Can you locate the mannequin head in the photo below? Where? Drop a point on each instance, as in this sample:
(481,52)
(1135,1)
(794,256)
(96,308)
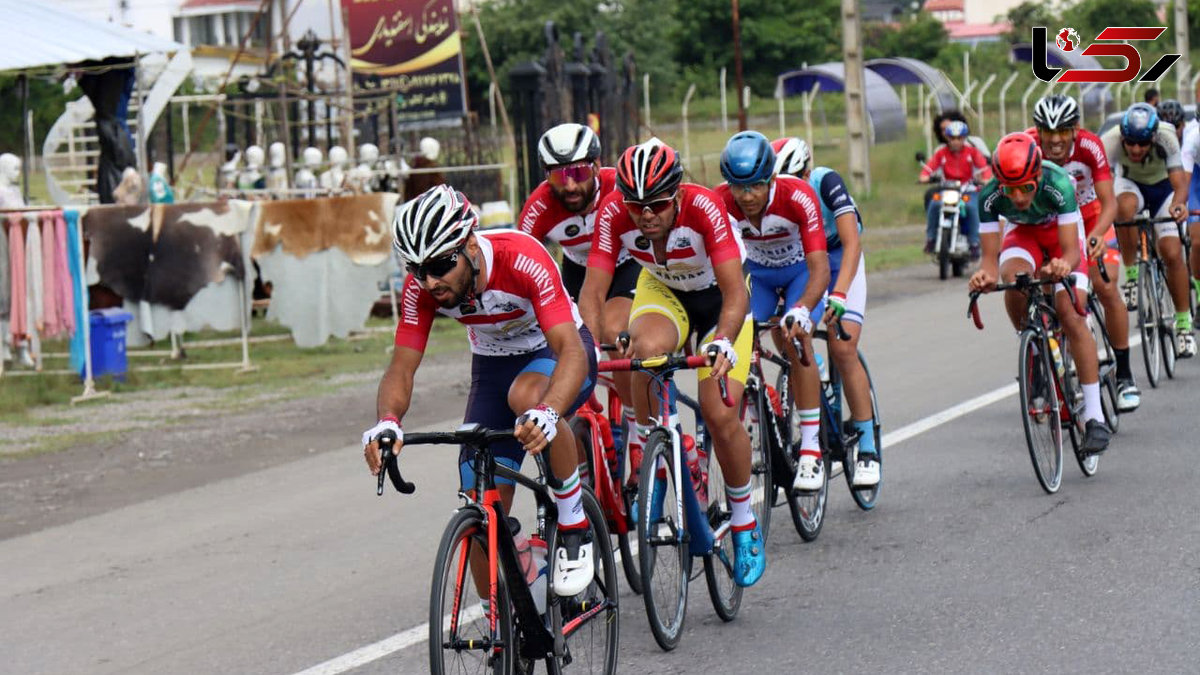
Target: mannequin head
(312,157)
(10,169)
(254,157)
(276,153)
(368,153)
(430,148)
(160,169)
(338,157)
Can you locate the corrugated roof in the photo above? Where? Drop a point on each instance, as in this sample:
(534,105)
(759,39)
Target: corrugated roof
(943,5)
(36,34)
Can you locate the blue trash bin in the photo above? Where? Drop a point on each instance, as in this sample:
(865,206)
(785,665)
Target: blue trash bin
(108,342)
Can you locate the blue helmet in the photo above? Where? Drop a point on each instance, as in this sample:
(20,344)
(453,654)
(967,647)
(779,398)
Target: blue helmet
(956,129)
(747,158)
(1139,123)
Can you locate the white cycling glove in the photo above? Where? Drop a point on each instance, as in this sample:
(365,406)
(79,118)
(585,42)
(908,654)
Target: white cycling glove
(546,419)
(382,426)
(726,347)
(799,315)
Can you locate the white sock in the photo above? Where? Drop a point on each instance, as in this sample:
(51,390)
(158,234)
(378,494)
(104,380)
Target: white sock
(1092,410)
(740,511)
(810,429)
(569,501)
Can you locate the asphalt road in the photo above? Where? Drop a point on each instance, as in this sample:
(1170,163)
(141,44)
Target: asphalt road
(965,565)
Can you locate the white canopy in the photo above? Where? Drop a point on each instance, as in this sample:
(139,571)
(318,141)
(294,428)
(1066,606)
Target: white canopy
(35,34)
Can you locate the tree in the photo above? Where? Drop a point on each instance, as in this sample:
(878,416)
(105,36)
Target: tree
(921,38)
(1025,16)
(515,33)
(777,36)
(1089,17)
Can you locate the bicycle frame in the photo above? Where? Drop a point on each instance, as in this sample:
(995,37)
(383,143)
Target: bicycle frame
(533,635)
(608,472)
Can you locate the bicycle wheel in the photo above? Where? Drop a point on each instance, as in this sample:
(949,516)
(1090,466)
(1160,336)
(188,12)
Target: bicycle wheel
(757,424)
(1166,321)
(1107,359)
(613,491)
(1148,323)
(807,508)
(726,596)
(590,621)
(1040,409)
(461,644)
(866,497)
(662,547)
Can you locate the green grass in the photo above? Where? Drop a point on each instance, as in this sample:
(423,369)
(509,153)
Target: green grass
(284,370)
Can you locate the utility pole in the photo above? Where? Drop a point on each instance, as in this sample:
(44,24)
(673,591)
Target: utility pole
(737,67)
(1183,68)
(857,130)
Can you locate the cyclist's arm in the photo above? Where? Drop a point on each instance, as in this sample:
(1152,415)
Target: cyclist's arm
(1068,240)
(818,278)
(933,165)
(735,299)
(396,386)
(1179,183)
(570,369)
(1108,207)
(847,227)
(596,283)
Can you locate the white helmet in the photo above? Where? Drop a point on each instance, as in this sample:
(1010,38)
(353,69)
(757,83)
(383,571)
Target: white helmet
(434,224)
(792,156)
(567,144)
(1056,112)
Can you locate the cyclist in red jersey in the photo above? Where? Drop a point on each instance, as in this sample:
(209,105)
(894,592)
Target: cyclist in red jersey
(691,284)
(531,354)
(563,210)
(1081,153)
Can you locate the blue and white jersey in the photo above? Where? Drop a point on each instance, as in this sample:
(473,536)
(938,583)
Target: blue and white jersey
(835,201)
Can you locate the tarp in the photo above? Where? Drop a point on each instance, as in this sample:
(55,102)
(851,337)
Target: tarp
(42,33)
(884,108)
(902,70)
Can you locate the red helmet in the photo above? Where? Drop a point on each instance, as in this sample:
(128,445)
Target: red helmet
(648,170)
(1017,160)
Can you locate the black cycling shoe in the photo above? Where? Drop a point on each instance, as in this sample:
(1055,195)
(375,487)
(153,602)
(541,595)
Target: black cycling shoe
(1095,438)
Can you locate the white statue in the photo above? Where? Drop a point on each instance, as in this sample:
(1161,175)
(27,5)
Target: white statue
(335,178)
(252,178)
(361,179)
(227,176)
(10,178)
(306,177)
(277,179)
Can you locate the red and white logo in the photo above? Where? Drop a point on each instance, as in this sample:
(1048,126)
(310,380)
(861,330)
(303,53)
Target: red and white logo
(1067,40)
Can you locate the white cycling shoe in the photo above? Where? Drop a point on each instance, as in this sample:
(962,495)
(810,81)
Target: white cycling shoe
(810,474)
(574,566)
(1185,345)
(866,472)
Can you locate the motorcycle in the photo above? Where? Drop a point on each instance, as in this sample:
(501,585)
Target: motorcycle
(951,251)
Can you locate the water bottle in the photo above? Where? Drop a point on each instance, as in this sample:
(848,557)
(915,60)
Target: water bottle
(537,585)
(822,368)
(1058,359)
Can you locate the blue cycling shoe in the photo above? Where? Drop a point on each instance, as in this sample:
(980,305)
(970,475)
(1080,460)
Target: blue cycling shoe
(749,556)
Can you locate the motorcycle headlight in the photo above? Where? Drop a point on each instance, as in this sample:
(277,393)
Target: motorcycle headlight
(950,197)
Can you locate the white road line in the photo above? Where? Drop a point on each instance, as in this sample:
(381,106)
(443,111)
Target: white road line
(419,634)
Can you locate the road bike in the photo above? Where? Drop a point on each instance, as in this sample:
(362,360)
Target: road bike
(1155,310)
(507,633)
(1050,393)
(674,523)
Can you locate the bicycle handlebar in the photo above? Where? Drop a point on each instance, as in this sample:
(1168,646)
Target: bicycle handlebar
(1099,263)
(667,363)
(1020,283)
(1138,222)
(468,434)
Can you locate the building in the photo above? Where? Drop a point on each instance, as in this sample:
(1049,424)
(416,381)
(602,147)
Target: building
(972,21)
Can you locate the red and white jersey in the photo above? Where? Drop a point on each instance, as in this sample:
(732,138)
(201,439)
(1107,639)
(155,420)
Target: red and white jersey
(523,297)
(704,235)
(546,219)
(791,225)
(1088,163)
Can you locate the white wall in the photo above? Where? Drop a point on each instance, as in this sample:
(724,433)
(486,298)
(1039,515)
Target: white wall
(152,16)
(988,11)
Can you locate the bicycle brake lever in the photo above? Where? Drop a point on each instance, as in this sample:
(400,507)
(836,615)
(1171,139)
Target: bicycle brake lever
(788,323)
(391,466)
(1100,263)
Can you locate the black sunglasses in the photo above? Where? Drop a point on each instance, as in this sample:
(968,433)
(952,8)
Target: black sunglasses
(1140,144)
(438,267)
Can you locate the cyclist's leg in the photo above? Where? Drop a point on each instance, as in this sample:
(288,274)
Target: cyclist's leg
(616,320)
(1116,320)
(1129,203)
(1170,248)
(658,324)
(573,563)
(845,355)
(1020,253)
(1194,230)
